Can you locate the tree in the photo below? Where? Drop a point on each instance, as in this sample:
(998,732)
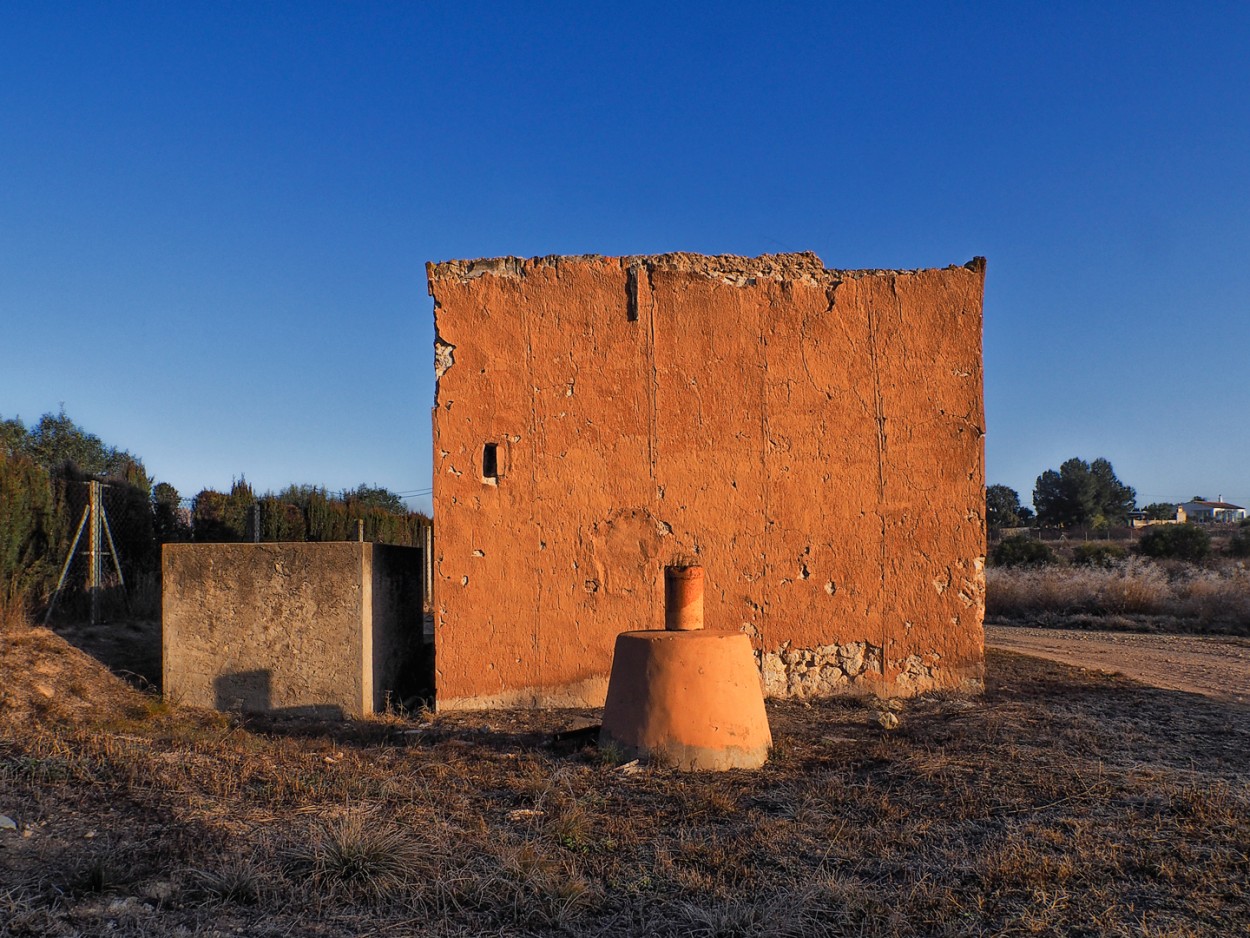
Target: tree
(1160,511)
(1114,499)
(56,442)
(27,505)
(220,518)
(1003,508)
(13,437)
(166,521)
(1081,494)
(370,496)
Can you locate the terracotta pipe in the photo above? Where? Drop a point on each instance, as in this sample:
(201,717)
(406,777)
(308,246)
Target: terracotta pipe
(683,598)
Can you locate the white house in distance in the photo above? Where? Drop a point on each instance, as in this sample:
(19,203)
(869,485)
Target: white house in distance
(1202,510)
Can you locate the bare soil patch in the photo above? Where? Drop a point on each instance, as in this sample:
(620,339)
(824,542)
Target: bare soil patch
(1060,802)
(1217,667)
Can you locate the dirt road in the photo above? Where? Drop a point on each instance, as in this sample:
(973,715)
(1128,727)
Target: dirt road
(1215,666)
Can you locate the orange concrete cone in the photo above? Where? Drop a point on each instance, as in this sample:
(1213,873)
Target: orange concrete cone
(685,697)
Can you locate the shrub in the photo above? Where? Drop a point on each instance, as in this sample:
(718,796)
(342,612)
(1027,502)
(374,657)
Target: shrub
(1021,552)
(26,522)
(1181,541)
(1239,543)
(1098,555)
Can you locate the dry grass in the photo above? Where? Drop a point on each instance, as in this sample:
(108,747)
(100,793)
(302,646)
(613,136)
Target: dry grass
(1213,596)
(1059,803)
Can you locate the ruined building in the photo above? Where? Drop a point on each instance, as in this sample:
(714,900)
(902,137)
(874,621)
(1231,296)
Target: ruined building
(813,438)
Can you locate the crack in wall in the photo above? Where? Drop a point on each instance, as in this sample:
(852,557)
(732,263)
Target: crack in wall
(879,416)
(657,492)
(537,450)
(831,301)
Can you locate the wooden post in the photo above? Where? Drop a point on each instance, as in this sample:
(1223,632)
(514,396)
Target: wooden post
(94,572)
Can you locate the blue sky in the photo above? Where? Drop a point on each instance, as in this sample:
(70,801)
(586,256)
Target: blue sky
(214,217)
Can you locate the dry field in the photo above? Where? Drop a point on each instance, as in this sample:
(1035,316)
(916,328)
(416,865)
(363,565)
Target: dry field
(1134,594)
(1060,802)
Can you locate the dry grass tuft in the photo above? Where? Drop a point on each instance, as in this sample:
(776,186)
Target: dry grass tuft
(361,854)
(241,881)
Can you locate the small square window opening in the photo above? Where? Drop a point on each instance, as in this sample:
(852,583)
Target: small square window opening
(490,463)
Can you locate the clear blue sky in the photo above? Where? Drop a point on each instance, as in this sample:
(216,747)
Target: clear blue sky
(214,216)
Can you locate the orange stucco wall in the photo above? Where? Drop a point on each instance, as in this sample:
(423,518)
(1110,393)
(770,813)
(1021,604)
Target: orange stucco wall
(813,438)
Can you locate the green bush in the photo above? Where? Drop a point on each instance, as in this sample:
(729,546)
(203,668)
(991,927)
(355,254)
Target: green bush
(1239,543)
(1177,541)
(1021,552)
(1097,555)
(27,522)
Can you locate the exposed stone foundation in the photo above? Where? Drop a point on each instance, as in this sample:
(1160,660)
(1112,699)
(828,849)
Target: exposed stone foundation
(821,671)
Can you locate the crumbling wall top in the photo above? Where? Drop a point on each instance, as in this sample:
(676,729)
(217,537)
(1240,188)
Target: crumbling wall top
(804,266)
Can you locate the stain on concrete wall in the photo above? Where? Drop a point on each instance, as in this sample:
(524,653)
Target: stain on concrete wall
(322,629)
(812,437)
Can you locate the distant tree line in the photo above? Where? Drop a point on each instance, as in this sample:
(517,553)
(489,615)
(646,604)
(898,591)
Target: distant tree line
(1089,495)
(302,513)
(1078,494)
(44,474)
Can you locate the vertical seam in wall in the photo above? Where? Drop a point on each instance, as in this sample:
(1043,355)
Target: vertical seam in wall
(879,417)
(765,581)
(534,522)
(652,431)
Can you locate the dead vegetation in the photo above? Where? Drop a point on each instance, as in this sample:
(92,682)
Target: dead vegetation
(1133,593)
(1062,802)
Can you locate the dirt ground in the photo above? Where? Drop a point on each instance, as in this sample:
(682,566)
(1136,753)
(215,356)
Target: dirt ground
(1216,667)
(1061,801)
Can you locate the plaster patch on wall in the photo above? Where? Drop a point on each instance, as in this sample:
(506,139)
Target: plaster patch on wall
(444,357)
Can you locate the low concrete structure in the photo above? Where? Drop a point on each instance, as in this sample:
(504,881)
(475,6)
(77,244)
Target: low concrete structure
(329,629)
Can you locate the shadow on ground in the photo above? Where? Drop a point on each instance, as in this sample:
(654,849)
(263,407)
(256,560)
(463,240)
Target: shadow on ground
(130,648)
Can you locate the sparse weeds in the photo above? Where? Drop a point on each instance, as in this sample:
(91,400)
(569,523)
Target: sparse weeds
(609,753)
(95,875)
(751,917)
(241,881)
(14,607)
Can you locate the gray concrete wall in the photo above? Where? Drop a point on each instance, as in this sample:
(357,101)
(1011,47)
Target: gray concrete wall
(296,627)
